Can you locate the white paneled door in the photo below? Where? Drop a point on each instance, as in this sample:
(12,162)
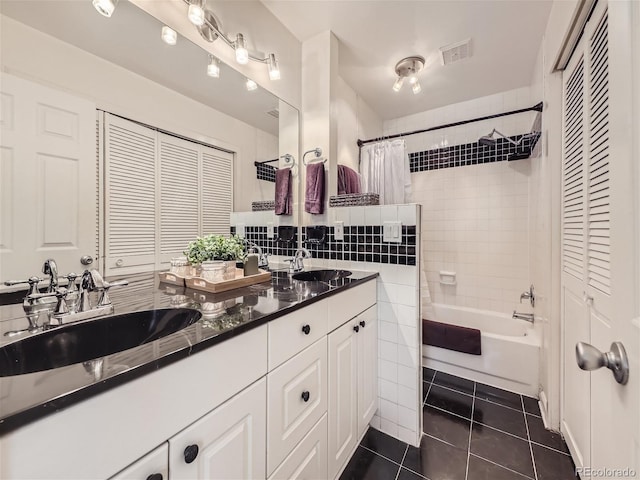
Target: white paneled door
(600,416)
(47,179)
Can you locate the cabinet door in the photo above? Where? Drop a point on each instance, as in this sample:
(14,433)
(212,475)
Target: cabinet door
(226,444)
(367,367)
(153,466)
(343,416)
(297,399)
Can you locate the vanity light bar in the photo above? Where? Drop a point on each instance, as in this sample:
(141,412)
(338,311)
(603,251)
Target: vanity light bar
(239,45)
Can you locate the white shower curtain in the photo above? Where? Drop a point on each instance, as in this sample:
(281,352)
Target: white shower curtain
(384,169)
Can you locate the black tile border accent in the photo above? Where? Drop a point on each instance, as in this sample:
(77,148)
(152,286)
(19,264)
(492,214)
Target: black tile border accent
(267,172)
(258,235)
(365,244)
(472,153)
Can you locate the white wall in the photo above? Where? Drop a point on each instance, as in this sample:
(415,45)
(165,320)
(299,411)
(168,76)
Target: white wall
(35,56)
(474,218)
(356,120)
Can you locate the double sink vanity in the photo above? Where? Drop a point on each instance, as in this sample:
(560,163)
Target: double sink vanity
(275,380)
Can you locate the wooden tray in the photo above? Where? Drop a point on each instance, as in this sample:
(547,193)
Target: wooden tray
(238,282)
(172,278)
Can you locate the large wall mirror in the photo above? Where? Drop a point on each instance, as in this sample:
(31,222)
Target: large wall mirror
(120,147)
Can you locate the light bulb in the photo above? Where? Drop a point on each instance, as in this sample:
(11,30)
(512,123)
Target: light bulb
(213,69)
(196,12)
(398,85)
(242,55)
(251,85)
(169,35)
(274,70)
(416,87)
(413,79)
(105,7)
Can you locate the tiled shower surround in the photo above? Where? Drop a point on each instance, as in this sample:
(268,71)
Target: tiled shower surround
(364,244)
(258,235)
(472,153)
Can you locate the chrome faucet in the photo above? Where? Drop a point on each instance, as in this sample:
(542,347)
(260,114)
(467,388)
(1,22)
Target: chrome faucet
(50,268)
(528,317)
(87,286)
(297,262)
(529,296)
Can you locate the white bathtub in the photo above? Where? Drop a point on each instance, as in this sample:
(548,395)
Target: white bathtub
(510,350)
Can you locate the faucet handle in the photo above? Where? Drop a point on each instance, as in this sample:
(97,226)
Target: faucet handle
(104,300)
(71,281)
(61,294)
(32,281)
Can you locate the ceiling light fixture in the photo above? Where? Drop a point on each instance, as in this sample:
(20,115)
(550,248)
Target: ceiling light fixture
(105,7)
(251,85)
(196,12)
(169,35)
(213,69)
(409,68)
(207,25)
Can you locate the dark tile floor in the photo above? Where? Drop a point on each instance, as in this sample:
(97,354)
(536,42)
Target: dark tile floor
(471,432)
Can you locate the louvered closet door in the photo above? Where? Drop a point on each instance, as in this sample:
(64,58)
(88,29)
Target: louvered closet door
(576,398)
(600,288)
(217,191)
(130,197)
(179,196)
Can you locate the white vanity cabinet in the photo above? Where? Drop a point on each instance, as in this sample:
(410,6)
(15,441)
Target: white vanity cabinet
(353,385)
(286,400)
(153,466)
(227,443)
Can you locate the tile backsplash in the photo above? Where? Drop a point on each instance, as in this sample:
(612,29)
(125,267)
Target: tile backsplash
(364,244)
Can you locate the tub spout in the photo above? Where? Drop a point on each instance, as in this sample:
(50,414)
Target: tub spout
(523,316)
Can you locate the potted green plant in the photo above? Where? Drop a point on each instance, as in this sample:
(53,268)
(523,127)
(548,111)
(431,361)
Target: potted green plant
(217,248)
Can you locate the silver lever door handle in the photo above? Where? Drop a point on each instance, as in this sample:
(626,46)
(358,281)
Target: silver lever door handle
(616,360)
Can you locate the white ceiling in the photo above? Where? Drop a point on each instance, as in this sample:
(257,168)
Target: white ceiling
(374,35)
(131,39)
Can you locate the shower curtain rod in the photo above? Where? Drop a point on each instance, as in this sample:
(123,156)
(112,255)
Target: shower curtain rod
(536,108)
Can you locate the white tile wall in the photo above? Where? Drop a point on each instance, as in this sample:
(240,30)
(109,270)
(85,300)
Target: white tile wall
(475,223)
(399,326)
(475,219)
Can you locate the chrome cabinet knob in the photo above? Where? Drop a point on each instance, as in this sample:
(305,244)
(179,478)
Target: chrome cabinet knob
(590,358)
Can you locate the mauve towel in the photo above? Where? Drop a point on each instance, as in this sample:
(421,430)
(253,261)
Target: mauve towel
(283,192)
(451,337)
(348,180)
(314,192)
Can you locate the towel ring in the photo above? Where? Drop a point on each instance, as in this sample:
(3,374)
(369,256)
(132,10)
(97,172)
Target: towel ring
(318,153)
(289,160)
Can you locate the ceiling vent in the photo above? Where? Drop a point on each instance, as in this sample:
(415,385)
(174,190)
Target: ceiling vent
(455,52)
(274,113)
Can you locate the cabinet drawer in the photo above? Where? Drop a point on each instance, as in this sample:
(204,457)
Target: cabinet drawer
(308,461)
(153,463)
(288,335)
(296,400)
(346,305)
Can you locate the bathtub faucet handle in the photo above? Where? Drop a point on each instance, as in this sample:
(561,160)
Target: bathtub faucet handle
(529,296)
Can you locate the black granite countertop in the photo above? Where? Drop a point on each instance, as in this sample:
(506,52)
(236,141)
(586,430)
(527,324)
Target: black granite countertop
(28,397)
